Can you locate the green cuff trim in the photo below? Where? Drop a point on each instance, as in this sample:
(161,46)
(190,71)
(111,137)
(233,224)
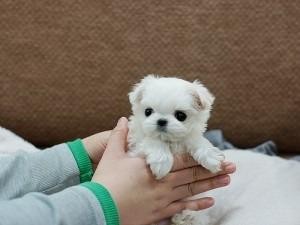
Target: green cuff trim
(107,203)
(82,159)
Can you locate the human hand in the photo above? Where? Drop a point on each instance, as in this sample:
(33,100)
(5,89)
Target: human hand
(141,199)
(95,146)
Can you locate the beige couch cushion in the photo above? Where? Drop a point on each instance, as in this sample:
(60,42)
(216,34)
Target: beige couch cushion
(66,67)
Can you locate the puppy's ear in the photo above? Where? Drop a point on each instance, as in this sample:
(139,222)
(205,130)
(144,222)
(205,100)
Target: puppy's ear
(136,95)
(203,99)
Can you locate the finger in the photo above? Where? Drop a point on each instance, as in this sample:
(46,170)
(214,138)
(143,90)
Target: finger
(103,138)
(177,207)
(196,173)
(192,189)
(228,167)
(183,161)
(96,144)
(118,138)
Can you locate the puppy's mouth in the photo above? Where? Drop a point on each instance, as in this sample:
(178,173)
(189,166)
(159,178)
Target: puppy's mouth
(161,129)
(165,133)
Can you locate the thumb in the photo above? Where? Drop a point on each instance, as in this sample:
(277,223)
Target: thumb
(117,142)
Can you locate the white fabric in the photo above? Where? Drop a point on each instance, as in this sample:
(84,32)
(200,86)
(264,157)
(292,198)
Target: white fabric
(265,190)
(11,143)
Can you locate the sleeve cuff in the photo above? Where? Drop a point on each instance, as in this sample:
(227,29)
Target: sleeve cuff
(106,201)
(82,159)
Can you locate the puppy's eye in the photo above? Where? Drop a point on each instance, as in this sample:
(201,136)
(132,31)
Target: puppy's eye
(181,116)
(148,112)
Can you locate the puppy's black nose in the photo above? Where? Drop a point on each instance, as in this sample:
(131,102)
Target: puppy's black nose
(162,123)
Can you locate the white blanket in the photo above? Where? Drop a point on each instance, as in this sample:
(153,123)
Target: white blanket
(11,143)
(265,190)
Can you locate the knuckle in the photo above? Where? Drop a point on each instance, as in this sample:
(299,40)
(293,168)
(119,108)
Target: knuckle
(160,194)
(179,207)
(196,173)
(159,199)
(190,189)
(212,183)
(117,131)
(169,178)
(177,162)
(182,161)
(201,204)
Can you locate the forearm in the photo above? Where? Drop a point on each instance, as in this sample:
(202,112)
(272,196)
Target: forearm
(47,171)
(50,171)
(74,205)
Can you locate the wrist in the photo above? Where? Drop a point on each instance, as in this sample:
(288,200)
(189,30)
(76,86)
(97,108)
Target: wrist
(106,202)
(82,159)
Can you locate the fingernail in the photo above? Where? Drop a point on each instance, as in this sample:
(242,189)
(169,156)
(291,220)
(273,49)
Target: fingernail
(226,163)
(223,180)
(230,168)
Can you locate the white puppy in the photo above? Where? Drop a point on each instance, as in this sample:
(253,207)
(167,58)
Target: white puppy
(169,117)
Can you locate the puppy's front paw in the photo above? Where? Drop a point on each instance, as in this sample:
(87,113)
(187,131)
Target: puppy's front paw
(160,169)
(183,218)
(213,160)
(160,165)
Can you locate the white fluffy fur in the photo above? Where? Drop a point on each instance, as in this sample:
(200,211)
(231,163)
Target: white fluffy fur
(166,96)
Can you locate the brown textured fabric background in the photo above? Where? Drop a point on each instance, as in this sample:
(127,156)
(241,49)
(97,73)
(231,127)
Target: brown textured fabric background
(66,66)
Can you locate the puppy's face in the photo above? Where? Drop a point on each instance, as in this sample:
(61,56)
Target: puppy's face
(170,108)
